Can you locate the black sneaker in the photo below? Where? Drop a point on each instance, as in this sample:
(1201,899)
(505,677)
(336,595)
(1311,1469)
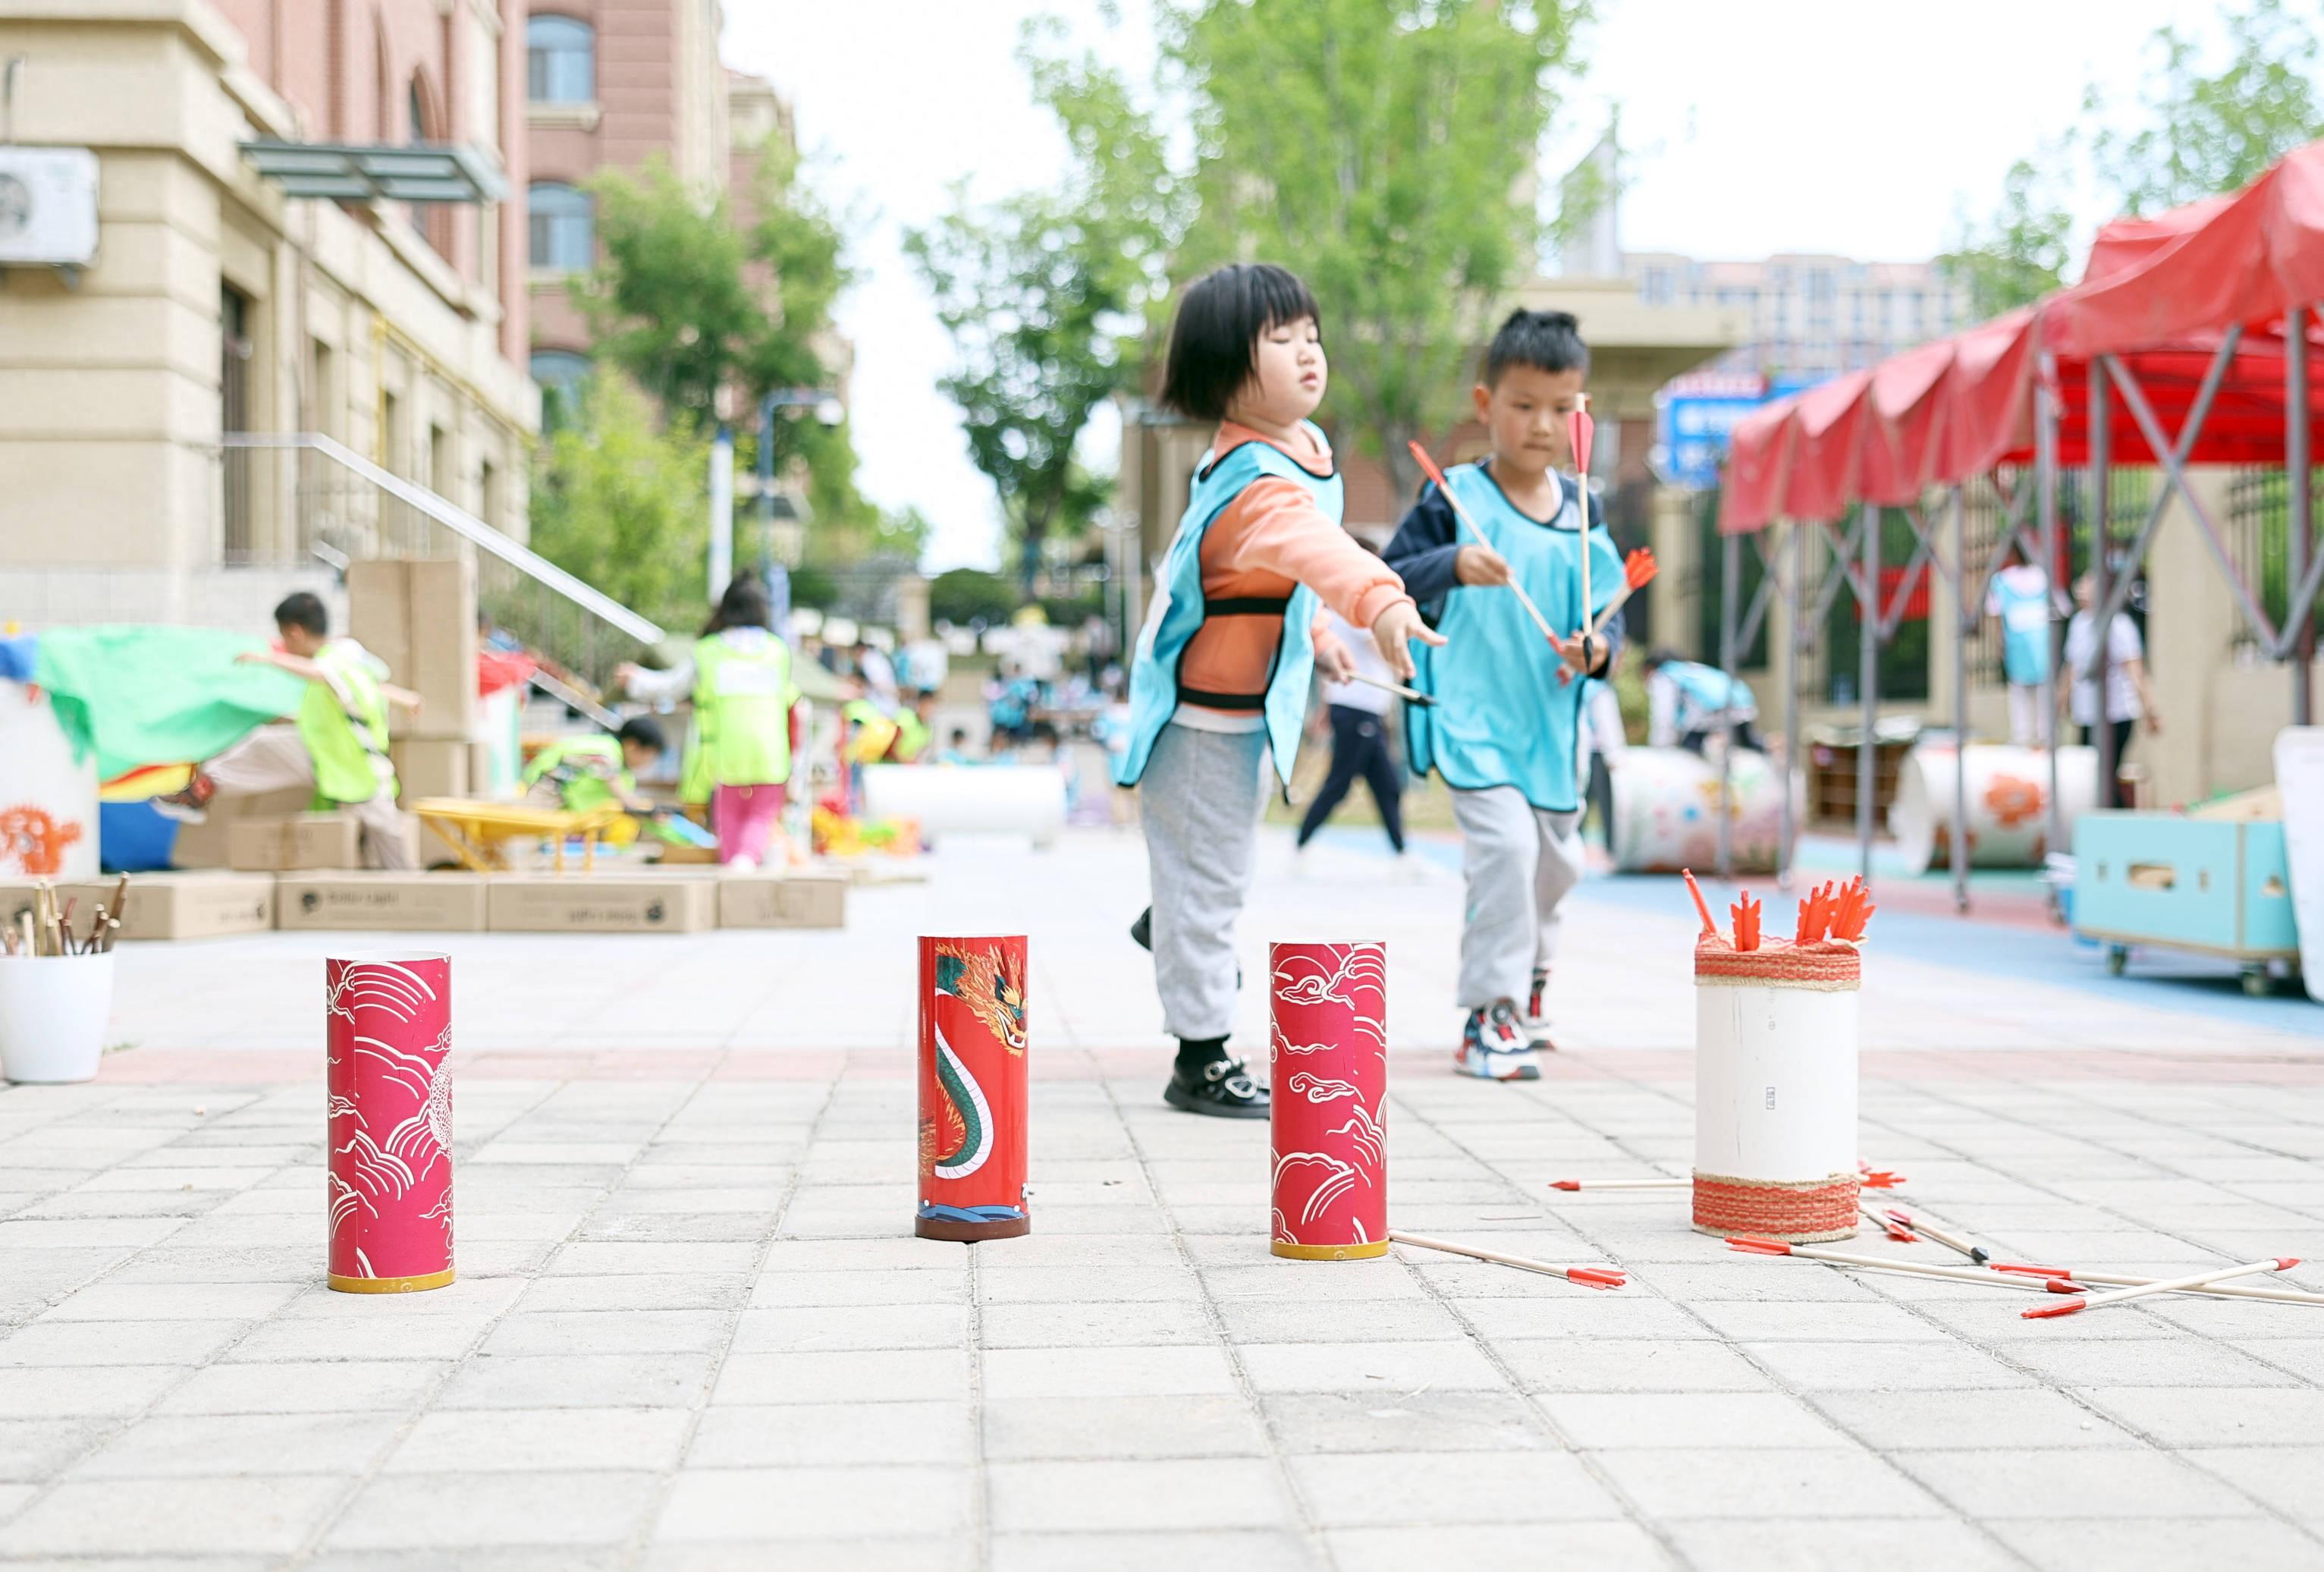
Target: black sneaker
(1222,1088)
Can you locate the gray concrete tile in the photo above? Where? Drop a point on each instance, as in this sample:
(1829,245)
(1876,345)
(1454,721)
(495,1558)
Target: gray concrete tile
(1245,1551)
(1166,1425)
(1426,1420)
(170,1517)
(1169,1370)
(579,1381)
(2050,1484)
(1596,1421)
(1068,1497)
(2009,1418)
(772,1505)
(456,1511)
(211,1446)
(1757,1545)
(1359,1490)
(884,1376)
(830,1435)
(1607,1547)
(311,1386)
(542,1440)
(1671,1485)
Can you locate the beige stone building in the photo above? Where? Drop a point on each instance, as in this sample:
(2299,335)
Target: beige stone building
(216,302)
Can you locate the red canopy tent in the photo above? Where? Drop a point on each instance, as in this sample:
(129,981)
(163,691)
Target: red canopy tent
(2190,342)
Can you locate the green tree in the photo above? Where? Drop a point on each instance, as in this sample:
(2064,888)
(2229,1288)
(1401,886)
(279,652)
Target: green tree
(1386,150)
(623,504)
(2021,256)
(694,301)
(962,596)
(1044,295)
(2202,135)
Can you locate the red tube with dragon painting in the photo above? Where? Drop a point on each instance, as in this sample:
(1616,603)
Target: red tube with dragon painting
(388,1042)
(1328,1050)
(973,1092)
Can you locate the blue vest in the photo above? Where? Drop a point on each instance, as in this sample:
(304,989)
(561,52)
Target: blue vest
(1706,691)
(2022,599)
(1501,717)
(1179,610)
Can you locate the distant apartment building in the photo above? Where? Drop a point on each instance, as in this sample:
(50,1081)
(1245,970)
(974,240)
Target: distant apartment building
(611,84)
(197,288)
(1807,315)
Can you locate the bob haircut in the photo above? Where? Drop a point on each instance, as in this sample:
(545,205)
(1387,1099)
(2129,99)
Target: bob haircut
(1547,341)
(1214,340)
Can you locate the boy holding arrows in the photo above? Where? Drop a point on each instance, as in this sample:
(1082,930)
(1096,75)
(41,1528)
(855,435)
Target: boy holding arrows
(1493,552)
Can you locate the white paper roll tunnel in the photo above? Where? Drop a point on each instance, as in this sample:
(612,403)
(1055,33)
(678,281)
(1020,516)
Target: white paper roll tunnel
(1775,1077)
(2008,790)
(961,799)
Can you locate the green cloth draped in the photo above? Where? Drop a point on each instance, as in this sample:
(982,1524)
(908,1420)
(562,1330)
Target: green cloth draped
(142,696)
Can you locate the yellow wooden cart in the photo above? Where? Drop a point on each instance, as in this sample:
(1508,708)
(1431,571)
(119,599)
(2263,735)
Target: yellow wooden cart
(479,832)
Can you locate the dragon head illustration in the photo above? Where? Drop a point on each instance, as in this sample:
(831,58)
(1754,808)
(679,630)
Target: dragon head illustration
(992,983)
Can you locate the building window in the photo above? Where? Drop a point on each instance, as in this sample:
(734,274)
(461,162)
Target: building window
(560,373)
(560,60)
(564,227)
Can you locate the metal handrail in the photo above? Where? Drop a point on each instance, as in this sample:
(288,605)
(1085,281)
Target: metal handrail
(461,522)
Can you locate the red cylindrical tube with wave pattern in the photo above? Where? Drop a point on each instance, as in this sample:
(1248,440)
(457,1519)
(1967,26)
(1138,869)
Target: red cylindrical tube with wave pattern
(1774,1087)
(388,1030)
(1328,1053)
(972,1089)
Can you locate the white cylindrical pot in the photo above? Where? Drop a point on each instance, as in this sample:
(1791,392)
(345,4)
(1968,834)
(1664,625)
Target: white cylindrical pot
(1666,810)
(52,1014)
(969,799)
(1775,1089)
(2008,803)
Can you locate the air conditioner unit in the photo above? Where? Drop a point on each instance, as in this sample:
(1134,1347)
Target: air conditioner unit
(47,207)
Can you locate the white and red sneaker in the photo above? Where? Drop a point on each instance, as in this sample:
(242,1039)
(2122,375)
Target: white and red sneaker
(1493,1046)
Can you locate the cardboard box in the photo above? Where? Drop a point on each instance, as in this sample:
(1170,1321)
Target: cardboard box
(207,845)
(208,904)
(303,840)
(429,767)
(806,899)
(379,615)
(601,903)
(382,902)
(442,597)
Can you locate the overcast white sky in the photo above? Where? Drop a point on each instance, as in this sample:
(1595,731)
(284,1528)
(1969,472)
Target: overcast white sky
(1787,125)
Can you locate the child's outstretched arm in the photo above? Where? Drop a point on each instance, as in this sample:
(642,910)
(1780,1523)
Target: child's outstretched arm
(1275,527)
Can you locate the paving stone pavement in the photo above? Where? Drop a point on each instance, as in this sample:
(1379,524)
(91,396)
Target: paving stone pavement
(691,1329)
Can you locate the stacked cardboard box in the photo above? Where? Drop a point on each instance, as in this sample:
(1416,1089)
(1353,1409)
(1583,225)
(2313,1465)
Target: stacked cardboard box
(382,902)
(815,899)
(207,904)
(419,616)
(303,840)
(432,767)
(609,902)
(209,844)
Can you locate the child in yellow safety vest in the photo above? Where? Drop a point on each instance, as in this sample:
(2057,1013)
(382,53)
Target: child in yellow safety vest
(739,749)
(582,773)
(337,745)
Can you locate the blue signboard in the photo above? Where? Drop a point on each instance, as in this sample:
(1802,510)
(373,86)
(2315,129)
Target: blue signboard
(1696,415)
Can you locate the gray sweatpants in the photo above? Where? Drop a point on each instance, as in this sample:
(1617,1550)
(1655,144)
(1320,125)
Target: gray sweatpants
(1199,800)
(273,758)
(1519,861)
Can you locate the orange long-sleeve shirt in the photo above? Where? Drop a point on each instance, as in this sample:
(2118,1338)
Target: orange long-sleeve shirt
(1269,541)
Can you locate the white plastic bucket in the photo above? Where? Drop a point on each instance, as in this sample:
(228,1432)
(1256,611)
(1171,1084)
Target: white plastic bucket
(52,1014)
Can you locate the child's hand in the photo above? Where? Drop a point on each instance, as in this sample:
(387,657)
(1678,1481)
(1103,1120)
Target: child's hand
(1481,566)
(1334,664)
(1579,662)
(1395,628)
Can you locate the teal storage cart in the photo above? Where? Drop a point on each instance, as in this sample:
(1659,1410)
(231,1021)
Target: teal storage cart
(2220,887)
